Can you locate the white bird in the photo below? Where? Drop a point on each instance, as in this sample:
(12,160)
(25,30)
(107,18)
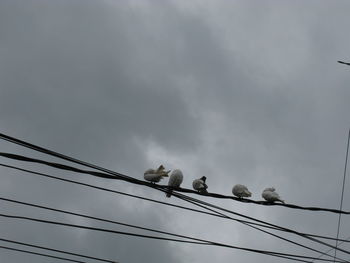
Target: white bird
(200,185)
(241,191)
(155,175)
(270,195)
(175,181)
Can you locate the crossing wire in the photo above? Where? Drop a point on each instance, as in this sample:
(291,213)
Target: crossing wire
(43,255)
(295,257)
(137,227)
(74,169)
(126,178)
(216,214)
(55,250)
(120,176)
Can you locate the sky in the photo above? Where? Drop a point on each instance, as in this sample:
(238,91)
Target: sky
(245,92)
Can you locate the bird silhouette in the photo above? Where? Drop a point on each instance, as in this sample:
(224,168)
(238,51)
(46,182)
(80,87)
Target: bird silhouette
(175,181)
(155,175)
(200,185)
(241,191)
(271,196)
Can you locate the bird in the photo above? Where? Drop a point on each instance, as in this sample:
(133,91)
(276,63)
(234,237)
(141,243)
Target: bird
(200,185)
(175,181)
(271,196)
(155,175)
(241,191)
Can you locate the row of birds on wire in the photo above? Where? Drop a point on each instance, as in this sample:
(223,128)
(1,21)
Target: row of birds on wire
(176,178)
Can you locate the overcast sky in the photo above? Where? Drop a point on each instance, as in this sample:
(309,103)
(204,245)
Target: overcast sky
(243,92)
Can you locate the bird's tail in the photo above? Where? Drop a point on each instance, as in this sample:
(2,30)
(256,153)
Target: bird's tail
(166,173)
(168,194)
(282,201)
(203,191)
(249,194)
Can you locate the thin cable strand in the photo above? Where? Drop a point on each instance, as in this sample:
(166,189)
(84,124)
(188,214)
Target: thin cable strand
(205,242)
(216,214)
(143,228)
(342,195)
(56,250)
(131,179)
(43,255)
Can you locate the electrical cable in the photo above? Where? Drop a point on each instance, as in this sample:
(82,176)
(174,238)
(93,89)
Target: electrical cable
(197,202)
(56,250)
(136,181)
(342,194)
(66,167)
(41,254)
(329,250)
(130,179)
(205,242)
(134,226)
(216,214)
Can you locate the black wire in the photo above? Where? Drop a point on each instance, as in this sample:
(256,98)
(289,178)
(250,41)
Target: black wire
(205,242)
(197,202)
(130,179)
(56,250)
(100,229)
(216,214)
(342,194)
(105,189)
(97,218)
(259,229)
(136,181)
(328,251)
(127,178)
(66,167)
(41,254)
(134,226)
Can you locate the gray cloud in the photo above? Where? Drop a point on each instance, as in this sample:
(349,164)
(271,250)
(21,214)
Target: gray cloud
(243,92)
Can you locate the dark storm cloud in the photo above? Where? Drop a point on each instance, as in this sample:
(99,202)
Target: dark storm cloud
(243,92)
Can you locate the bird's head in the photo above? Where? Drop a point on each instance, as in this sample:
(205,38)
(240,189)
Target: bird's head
(160,168)
(203,178)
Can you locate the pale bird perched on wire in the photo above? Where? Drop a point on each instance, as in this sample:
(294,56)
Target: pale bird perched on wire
(155,175)
(200,185)
(271,196)
(241,191)
(175,181)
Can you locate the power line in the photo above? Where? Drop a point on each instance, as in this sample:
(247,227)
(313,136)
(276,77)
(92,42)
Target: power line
(127,178)
(55,250)
(207,205)
(140,182)
(329,250)
(120,176)
(104,189)
(41,254)
(342,194)
(96,218)
(205,242)
(137,227)
(216,214)
(136,181)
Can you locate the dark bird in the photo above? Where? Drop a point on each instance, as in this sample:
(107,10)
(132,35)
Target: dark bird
(200,185)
